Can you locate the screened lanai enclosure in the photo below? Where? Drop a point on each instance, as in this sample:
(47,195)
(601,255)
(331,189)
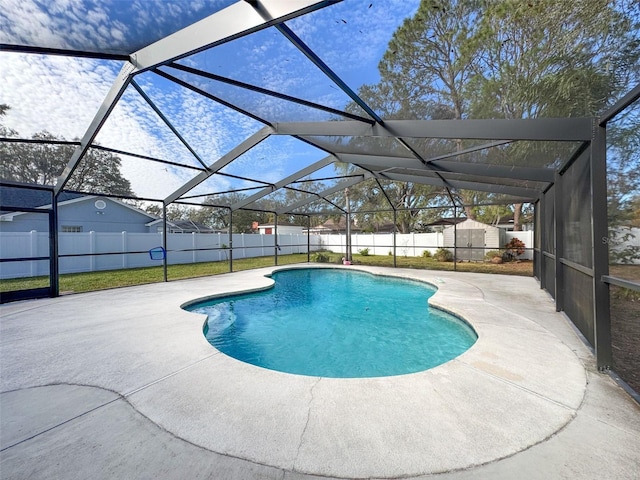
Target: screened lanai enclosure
(232,114)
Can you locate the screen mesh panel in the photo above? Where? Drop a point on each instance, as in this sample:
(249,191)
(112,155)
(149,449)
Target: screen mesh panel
(576,205)
(578,304)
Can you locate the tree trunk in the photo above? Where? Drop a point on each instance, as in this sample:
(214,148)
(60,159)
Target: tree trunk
(517,211)
(468,211)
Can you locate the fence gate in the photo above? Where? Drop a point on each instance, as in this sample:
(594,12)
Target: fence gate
(470,244)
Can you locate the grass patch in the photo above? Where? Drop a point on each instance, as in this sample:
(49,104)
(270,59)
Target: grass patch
(91,281)
(523,268)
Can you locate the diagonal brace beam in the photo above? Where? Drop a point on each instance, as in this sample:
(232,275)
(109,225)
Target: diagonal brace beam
(527,193)
(238,19)
(222,162)
(291,178)
(108,104)
(325,193)
(167,122)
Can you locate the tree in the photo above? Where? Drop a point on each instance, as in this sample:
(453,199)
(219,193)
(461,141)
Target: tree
(429,63)
(509,59)
(42,163)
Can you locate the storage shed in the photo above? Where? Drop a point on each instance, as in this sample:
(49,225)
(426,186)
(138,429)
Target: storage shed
(473,239)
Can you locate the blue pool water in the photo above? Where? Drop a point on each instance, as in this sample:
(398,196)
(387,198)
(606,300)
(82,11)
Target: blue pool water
(336,323)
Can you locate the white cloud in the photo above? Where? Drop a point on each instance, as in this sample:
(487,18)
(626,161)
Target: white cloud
(97,25)
(62,94)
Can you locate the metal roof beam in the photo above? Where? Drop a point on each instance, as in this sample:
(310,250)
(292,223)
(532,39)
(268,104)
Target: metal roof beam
(65,52)
(199,91)
(380,160)
(166,121)
(479,169)
(222,162)
(535,129)
(237,20)
(317,61)
(285,181)
(619,106)
(264,91)
(525,193)
(499,171)
(116,91)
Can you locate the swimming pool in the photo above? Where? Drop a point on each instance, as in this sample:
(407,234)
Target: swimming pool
(336,323)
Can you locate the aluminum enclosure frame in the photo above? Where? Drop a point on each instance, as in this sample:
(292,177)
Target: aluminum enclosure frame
(551,262)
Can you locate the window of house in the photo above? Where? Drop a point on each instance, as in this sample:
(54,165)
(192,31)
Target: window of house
(71,229)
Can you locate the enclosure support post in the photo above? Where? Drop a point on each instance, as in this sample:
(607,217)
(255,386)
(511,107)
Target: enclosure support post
(275,238)
(348,218)
(559,241)
(230,240)
(54,270)
(164,242)
(455,238)
(395,229)
(542,205)
(600,235)
(308,238)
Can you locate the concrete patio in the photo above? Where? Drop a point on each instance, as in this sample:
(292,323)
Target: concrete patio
(123,384)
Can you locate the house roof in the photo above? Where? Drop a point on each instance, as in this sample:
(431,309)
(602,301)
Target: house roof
(332,226)
(28,198)
(35,198)
(446,221)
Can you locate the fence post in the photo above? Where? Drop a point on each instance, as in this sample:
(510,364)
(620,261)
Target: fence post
(33,252)
(124,249)
(193,247)
(92,251)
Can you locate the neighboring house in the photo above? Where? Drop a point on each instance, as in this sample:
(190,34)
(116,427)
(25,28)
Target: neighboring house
(331,226)
(282,229)
(86,213)
(441,223)
(79,213)
(526,223)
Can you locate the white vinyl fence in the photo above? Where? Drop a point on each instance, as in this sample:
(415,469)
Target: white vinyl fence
(108,251)
(407,244)
(96,251)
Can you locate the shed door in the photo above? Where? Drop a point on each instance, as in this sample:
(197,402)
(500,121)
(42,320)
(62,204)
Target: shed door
(463,242)
(477,242)
(470,244)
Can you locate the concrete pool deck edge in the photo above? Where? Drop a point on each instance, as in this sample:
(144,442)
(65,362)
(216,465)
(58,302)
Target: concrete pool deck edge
(523,384)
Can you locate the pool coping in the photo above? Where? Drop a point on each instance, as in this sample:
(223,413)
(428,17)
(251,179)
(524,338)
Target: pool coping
(521,383)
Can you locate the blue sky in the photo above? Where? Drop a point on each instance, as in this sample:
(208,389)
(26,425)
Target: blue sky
(61,94)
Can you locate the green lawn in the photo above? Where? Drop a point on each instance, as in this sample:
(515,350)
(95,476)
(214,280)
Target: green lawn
(90,281)
(524,268)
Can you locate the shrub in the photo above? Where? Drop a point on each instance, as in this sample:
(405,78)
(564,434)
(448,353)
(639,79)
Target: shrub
(443,255)
(390,253)
(515,247)
(364,252)
(320,257)
(426,254)
(492,253)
